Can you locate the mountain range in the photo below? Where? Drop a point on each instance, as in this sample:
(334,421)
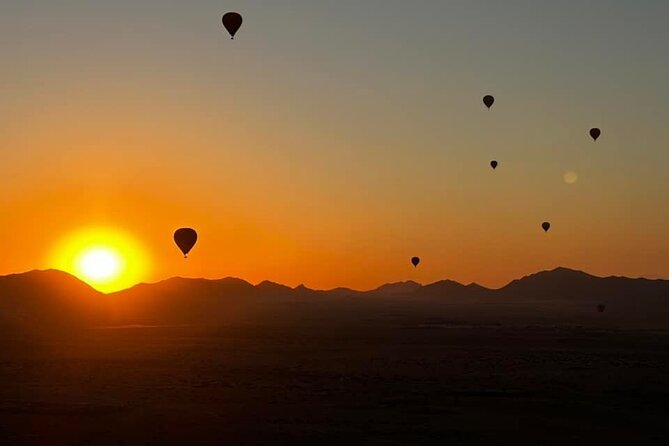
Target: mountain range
(55,299)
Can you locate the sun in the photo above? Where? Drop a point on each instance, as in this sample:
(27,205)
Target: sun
(99,264)
(107,259)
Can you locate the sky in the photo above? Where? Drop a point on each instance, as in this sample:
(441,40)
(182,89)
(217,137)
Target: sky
(332,141)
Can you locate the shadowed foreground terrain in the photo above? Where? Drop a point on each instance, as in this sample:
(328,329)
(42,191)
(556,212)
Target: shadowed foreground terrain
(344,370)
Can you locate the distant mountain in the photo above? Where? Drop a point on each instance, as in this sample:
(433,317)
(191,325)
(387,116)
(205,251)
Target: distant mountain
(199,300)
(53,298)
(342,291)
(183,300)
(454,290)
(43,300)
(272,288)
(397,288)
(569,284)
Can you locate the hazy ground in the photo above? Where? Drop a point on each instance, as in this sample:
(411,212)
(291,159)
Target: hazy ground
(332,376)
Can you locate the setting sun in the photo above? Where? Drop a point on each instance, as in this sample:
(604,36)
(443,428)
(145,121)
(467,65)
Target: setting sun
(99,264)
(107,259)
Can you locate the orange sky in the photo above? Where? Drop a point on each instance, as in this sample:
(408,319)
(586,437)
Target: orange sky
(304,157)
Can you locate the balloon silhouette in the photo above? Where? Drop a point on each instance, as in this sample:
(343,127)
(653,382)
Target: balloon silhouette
(493,164)
(185,239)
(594,133)
(601,308)
(232,22)
(488,100)
(546,226)
(415,261)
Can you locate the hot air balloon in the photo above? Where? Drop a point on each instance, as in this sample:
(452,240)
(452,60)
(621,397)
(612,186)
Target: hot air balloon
(546,226)
(488,100)
(601,308)
(185,239)
(415,261)
(594,133)
(493,164)
(232,22)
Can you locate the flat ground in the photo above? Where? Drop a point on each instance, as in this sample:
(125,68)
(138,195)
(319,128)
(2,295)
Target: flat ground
(398,379)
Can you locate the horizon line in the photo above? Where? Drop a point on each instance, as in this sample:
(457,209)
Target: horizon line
(557,268)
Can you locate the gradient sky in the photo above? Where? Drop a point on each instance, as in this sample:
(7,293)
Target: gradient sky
(333,140)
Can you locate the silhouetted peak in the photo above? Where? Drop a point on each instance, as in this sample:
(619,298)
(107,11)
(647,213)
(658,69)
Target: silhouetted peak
(41,274)
(229,286)
(557,274)
(230,281)
(342,291)
(446,289)
(234,281)
(568,272)
(446,284)
(565,283)
(48,277)
(398,288)
(267,285)
(173,283)
(39,299)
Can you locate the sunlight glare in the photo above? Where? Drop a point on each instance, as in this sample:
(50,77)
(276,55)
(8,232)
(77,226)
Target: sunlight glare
(99,264)
(107,259)
(570,177)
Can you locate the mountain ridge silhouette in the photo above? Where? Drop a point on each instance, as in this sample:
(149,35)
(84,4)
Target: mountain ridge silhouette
(55,298)
(559,274)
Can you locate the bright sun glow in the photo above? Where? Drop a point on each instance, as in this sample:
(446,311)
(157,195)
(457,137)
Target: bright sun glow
(99,264)
(107,259)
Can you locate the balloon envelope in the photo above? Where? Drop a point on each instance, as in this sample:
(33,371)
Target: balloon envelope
(546,226)
(185,239)
(415,261)
(594,133)
(488,100)
(493,164)
(232,22)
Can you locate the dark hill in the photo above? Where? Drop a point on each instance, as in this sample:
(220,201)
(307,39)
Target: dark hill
(449,289)
(568,284)
(180,300)
(46,300)
(407,287)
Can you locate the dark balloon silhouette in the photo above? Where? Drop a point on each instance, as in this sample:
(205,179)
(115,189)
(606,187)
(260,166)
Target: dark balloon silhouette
(546,226)
(488,100)
(601,308)
(595,133)
(415,261)
(232,22)
(185,239)
(493,164)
